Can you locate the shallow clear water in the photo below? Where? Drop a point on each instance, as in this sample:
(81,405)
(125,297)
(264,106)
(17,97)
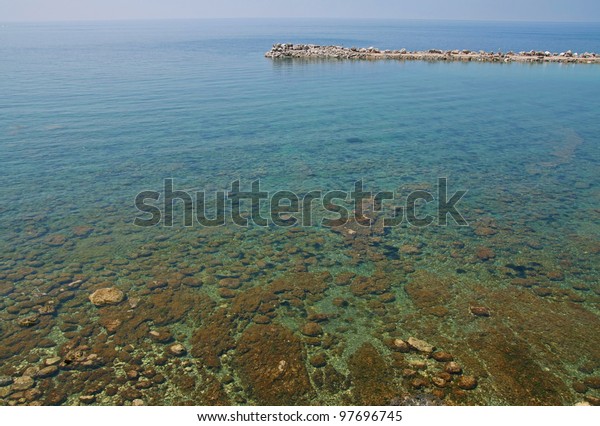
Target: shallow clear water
(94,113)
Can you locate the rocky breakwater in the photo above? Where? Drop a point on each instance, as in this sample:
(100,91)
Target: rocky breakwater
(313,51)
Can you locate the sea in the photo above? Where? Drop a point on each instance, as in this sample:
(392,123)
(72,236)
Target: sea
(472,279)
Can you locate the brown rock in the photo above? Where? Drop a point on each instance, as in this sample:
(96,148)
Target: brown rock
(580,387)
(111,325)
(409,249)
(177,349)
(230,283)
(270,363)
(23,383)
(227,293)
(161,335)
(107,296)
(592,382)
(555,275)
(480,311)
(312,329)
(485,253)
(401,346)
(371,377)
(47,371)
(452,368)
(318,361)
(442,356)
(418,383)
(408,373)
(439,382)
(467,382)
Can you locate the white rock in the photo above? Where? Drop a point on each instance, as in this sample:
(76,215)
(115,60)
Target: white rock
(420,345)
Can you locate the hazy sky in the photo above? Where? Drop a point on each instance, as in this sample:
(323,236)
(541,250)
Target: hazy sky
(529,10)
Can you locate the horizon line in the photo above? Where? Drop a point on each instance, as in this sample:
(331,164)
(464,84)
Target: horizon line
(229,18)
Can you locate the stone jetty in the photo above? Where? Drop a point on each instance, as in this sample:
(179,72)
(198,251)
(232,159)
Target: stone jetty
(315,52)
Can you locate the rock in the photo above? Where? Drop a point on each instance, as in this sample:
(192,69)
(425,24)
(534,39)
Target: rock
(401,346)
(452,368)
(82,231)
(467,382)
(137,403)
(592,382)
(5,381)
(318,361)
(271,366)
(593,400)
(340,302)
(47,372)
(555,275)
(107,296)
(418,383)
(580,387)
(371,376)
(177,349)
(420,345)
(409,249)
(29,321)
(111,325)
(87,399)
(31,371)
(31,395)
(23,383)
(417,364)
(230,283)
(480,311)
(485,253)
(161,336)
(439,382)
(56,240)
(6,288)
(227,293)
(442,356)
(312,329)
(262,319)
(408,373)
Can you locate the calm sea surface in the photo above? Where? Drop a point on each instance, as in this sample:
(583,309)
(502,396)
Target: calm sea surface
(93,113)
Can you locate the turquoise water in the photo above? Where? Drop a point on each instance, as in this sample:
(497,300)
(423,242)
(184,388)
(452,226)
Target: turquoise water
(94,113)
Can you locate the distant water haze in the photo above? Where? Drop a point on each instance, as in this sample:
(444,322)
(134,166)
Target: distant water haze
(511,10)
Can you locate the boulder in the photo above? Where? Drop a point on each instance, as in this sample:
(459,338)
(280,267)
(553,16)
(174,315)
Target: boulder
(107,296)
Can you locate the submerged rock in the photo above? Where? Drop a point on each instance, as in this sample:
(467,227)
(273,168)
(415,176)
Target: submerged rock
(23,383)
(452,368)
(371,376)
(47,372)
(52,361)
(29,321)
(312,329)
(177,349)
(442,356)
(480,311)
(467,382)
(107,296)
(270,361)
(5,381)
(420,345)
